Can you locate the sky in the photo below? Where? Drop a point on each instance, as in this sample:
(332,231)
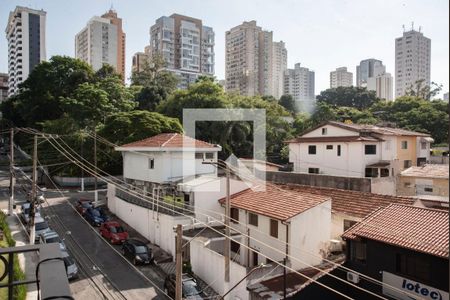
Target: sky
(320,34)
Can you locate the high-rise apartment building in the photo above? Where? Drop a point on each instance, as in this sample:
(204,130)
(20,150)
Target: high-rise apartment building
(445,97)
(383,85)
(253,62)
(121,39)
(186,45)
(368,68)
(3,87)
(299,83)
(101,42)
(341,77)
(25,33)
(140,59)
(412,60)
(279,66)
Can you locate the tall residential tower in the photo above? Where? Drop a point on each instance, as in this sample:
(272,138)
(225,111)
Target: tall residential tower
(341,77)
(186,45)
(368,68)
(25,33)
(299,83)
(412,60)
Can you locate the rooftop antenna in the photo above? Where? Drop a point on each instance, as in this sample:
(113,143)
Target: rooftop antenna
(403,26)
(112,5)
(412,25)
(420,28)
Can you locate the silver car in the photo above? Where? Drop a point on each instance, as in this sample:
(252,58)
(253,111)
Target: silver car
(41,227)
(71,266)
(52,237)
(25,212)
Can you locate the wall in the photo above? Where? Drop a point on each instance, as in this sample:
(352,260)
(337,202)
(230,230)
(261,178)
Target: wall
(384,185)
(345,183)
(209,266)
(337,224)
(157,229)
(310,231)
(414,186)
(331,131)
(444,160)
(407,154)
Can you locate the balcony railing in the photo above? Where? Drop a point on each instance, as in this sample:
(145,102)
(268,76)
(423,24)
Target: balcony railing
(50,275)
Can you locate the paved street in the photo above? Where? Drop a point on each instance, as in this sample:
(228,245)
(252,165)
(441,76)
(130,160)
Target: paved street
(104,273)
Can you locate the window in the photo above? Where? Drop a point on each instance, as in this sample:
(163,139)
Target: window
(348,224)
(198,155)
(273,228)
(404,144)
(234,214)
(370,149)
(312,149)
(209,155)
(407,164)
(313,170)
(151,163)
(324,131)
(428,189)
(329,147)
(384,172)
(407,184)
(414,267)
(339,150)
(423,145)
(358,251)
(387,145)
(372,172)
(253,219)
(235,247)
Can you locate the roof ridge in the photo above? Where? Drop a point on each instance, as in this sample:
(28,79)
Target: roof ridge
(173,135)
(419,207)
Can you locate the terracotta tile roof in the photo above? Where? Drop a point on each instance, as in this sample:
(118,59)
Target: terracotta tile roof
(419,229)
(169,140)
(354,203)
(428,170)
(275,202)
(335,139)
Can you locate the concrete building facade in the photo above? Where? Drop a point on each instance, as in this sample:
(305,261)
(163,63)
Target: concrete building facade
(299,82)
(3,87)
(186,45)
(253,61)
(383,85)
(25,33)
(341,77)
(97,43)
(121,39)
(412,60)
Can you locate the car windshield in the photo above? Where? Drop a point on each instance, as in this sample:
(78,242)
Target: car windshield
(95,213)
(141,249)
(68,261)
(190,288)
(41,225)
(117,229)
(54,239)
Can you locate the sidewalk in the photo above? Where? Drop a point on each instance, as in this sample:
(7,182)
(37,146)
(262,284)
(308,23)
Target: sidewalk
(28,260)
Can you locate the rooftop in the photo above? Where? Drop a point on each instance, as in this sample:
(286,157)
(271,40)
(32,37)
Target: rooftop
(276,202)
(428,170)
(168,140)
(415,228)
(355,203)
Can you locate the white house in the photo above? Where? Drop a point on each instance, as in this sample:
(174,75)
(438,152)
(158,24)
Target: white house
(353,150)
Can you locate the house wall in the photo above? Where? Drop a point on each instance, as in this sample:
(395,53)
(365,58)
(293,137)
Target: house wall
(331,131)
(414,186)
(407,154)
(310,231)
(384,185)
(337,224)
(157,228)
(209,266)
(168,166)
(423,152)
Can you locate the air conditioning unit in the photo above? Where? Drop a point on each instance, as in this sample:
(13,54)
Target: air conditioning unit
(335,246)
(352,277)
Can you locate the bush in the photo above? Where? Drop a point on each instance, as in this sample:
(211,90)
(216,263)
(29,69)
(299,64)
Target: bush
(20,291)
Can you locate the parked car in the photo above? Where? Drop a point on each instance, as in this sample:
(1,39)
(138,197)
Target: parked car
(137,251)
(71,266)
(40,227)
(82,205)
(95,216)
(113,232)
(190,287)
(52,237)
(25,212)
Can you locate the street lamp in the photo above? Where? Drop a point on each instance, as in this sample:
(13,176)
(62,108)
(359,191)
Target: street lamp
(262,265)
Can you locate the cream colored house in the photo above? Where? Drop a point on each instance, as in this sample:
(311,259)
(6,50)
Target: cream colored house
(425,181)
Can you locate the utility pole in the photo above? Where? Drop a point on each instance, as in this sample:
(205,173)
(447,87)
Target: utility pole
(33,194)
(179,264)
(95,166)
(284,278)
(11,173)
(82,170)
(227,228)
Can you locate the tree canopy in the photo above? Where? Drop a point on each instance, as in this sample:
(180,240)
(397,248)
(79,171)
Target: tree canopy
(356,97)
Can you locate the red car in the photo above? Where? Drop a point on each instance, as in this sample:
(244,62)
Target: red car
(113,232)
(82,205)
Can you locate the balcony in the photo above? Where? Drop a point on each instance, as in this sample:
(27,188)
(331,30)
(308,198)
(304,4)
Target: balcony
(50,275)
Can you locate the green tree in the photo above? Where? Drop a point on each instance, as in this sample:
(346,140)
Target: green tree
(355,97)
(287,101)
(421,90)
